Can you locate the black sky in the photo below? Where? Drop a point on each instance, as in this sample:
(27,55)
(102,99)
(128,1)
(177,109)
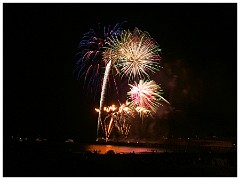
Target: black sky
(41,96)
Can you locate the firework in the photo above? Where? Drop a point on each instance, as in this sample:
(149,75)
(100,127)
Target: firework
(134,54)
(108,109)
(108,122)
(124,115)
(146,96)
(118,117)
(89,61)
(143,111)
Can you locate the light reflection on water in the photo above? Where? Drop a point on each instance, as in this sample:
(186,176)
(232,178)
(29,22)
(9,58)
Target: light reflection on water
(102,149)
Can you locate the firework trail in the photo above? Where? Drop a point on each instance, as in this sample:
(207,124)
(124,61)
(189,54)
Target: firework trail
(103,93)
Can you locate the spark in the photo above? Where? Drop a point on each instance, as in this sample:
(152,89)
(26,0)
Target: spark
(108,109)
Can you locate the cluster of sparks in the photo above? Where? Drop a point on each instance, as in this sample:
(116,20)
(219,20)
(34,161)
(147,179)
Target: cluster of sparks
(146,96)
(118,117)
(132,54)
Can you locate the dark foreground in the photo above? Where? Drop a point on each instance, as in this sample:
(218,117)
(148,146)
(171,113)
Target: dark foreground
(59,160)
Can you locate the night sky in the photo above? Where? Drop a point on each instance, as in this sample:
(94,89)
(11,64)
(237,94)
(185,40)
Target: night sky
(199,59)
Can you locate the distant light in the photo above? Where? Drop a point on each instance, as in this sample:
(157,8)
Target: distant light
(70,141)
(38,140)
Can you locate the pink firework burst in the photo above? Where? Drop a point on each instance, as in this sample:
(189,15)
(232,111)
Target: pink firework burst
(146,95)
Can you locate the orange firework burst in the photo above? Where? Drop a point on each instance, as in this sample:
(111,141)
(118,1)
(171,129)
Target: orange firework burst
(118,117)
